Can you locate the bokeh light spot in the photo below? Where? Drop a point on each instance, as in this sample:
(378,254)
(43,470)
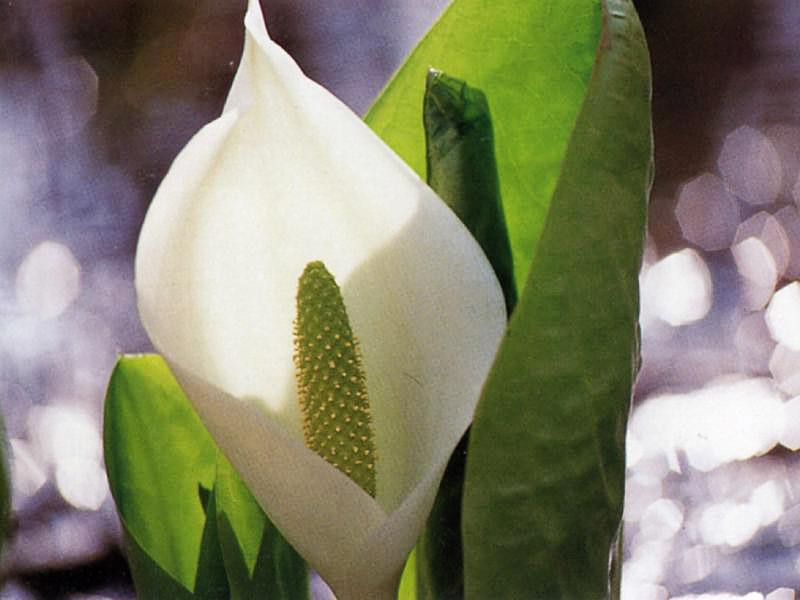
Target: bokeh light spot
(750,166)
(48,280)
(678,289)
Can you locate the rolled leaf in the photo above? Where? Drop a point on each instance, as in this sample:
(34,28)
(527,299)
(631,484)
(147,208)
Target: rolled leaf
(461,168)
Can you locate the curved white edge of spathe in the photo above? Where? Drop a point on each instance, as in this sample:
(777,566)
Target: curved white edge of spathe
(164,255)
(388,546)
(242,92)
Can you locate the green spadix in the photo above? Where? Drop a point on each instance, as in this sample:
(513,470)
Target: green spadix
(331,385)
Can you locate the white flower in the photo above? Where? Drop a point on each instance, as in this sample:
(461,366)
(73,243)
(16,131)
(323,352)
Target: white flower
(286,176)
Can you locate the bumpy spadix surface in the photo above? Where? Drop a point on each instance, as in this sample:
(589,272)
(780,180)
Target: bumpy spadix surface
(330,381)
(286,176)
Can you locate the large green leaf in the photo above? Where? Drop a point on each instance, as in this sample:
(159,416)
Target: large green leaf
(258,561)
(545,470)
(533,60)
(161,465)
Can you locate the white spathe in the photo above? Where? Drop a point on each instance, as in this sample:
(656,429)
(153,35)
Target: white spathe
(288,175)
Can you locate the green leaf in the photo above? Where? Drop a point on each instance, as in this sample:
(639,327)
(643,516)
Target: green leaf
(439,560)
(150,580)
(461,168)
(533,60)
(545,470)
(408,581)
(159,459)
(259,562)
(211,581)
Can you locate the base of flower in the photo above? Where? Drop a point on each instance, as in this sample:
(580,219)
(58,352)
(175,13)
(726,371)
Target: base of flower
(355,590)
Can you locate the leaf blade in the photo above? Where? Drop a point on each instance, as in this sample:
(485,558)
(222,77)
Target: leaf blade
(158,454)
(5,488)
(258,561)
(545,470)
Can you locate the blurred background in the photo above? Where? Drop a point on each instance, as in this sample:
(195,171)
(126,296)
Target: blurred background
(98,96)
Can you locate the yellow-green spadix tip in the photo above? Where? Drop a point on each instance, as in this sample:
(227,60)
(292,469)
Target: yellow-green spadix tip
(331,383)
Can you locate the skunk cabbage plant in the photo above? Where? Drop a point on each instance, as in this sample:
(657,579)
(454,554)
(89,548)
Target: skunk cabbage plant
(330,319)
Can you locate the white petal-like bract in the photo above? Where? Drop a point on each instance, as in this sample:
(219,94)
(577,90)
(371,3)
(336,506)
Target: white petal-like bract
(288,175)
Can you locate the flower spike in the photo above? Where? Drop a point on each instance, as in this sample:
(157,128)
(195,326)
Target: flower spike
(332,386)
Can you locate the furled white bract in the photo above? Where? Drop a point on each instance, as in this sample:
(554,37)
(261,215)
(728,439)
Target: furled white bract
(288,175)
